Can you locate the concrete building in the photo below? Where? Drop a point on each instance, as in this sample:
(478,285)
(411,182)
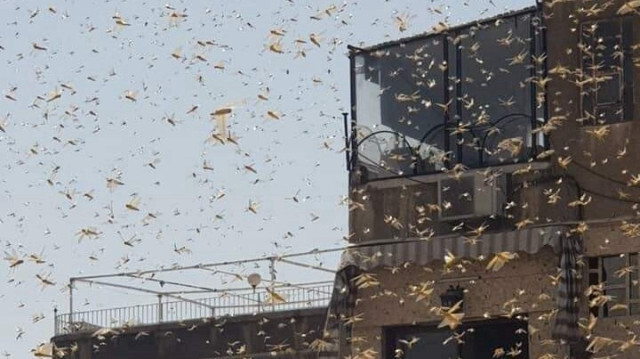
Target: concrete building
(282,334)
(508,142)
(192,320)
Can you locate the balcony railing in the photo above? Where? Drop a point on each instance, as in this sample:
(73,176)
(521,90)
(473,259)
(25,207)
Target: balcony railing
(223,305)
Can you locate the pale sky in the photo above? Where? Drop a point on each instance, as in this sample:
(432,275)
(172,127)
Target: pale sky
(93,132)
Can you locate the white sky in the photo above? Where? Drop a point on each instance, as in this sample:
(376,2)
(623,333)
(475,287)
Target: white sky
(288,154)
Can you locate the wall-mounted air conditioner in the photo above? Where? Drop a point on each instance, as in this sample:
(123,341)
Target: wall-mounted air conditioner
(471,196)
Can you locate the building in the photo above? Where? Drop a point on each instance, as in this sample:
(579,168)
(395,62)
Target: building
(493,179)
(284,334)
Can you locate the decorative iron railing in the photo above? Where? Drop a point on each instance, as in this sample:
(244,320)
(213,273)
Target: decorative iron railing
(226,304)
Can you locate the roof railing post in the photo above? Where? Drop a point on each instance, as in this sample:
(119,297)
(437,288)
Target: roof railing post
(160,314)
(55,321)
(71,304)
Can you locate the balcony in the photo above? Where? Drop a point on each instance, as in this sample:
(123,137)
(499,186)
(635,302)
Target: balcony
(467,97)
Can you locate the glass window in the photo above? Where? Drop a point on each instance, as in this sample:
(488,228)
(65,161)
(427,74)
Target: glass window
(610,265)
(495,65)
(619,277)
(400,124)
(607,92)
(618,296)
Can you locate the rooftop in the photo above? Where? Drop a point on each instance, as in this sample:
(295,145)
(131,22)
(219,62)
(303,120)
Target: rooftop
(230,303)
(184,293)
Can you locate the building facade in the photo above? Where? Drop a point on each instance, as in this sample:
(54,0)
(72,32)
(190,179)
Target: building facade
(493,189)
(228,323)
(286,334)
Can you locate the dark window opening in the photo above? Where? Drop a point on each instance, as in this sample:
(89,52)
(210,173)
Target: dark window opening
(469,341)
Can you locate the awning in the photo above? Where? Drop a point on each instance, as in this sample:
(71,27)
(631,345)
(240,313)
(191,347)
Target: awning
(370,255)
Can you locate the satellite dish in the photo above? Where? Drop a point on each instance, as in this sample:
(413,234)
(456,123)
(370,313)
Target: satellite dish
(254,280)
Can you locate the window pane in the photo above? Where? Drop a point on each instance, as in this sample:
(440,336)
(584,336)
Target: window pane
(588,112)
(609,90)
(429,345)
(633,259)
(603,55)
(593,262)
(619,297)
(483,341)
(608,44)
(588,45)
(633,276)
(609,266)
(496,62)
(609,114)
(398,90)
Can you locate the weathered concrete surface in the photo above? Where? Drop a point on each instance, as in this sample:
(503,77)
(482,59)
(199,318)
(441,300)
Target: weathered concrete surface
(207,338)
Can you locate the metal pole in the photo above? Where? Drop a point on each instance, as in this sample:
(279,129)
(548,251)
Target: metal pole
(352,87)
(160,308)
(305,265)
(55,320)
(272,270)
(447,95)
(533,151)
(141,290)
(347,150)
(258,299)
(71,303)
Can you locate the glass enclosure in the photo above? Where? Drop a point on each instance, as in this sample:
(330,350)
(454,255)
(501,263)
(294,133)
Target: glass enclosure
(470,96)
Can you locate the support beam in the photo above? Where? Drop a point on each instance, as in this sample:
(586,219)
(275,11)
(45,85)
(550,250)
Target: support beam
(309,266)
(122,286)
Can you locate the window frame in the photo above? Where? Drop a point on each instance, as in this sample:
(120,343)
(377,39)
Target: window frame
(625,74)
(603,311)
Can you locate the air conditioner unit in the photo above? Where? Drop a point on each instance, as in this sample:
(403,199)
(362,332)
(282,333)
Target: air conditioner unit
(471,196)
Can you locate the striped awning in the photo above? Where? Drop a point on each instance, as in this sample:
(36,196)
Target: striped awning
(370,255)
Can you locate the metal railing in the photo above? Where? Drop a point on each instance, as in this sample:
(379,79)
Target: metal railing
(223,305)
